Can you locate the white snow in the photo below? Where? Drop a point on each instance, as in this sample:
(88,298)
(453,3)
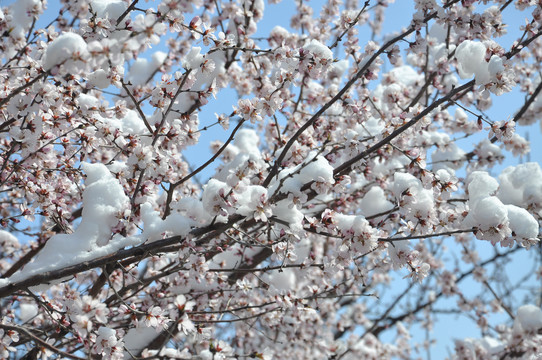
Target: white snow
(21,20)
(420,201)
(99,79)
(522,223)
(529,317)
(315,47)
(316,168)
(438,32)
(281,281)
(481,184)
(246,141)
(142,69)
(491,345)
(213,201)
(111,9)
(402,182)
(487,210)
(154,226)
(248,200)
(521,185)
(471,61)
(7,238)
(27,311)
(63,48)
(86,101)
(406,75)
(193,59)
(103,201)
(495,66)
(437,52)
(339,68)
(487,149)
(370,127)
(290,214)
(138,339)
(192,208)
(233,256)
(375,202)
(131,123)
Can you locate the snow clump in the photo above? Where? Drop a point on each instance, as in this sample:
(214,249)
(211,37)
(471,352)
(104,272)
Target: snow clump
(68,46)
(493,220)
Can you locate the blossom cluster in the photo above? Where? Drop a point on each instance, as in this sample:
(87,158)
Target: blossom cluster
(345,164)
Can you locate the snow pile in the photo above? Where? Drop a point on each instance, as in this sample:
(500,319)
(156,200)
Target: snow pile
(494,220)
(315,169)
(375,202)
(413,199)
(521,185)
(99,79)
(155,228)
(104,202)
(217,200)
(517,339)
(358,233)
(253,202)
(471,61)
(406,75)
(448,155)
(317,58)
(528,319)
(65,48)
(27,311)
(522,223)
(470,348)
(233,256)
(107,343)
(131,123)
(221,200)
(245,143)
(286,211)
(193,59)
(339,68)
(143,69)
(21,20)
(111,9)
(8,242)
(281,281)
(398,82)
(319,51)
(193,209)
(205,69)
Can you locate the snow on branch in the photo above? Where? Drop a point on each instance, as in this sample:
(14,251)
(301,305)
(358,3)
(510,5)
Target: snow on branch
(250,179)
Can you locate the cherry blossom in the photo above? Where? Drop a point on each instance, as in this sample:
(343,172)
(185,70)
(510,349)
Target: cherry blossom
(206,179)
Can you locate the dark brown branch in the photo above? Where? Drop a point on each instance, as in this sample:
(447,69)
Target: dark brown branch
(238,319)
(137,252)
(5,100)
(39,341)
(345,167)
(393,320)
(193,173)
(310,122)
(445,233)
(127,11)
(528,103)
(351,25)
(138,108)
